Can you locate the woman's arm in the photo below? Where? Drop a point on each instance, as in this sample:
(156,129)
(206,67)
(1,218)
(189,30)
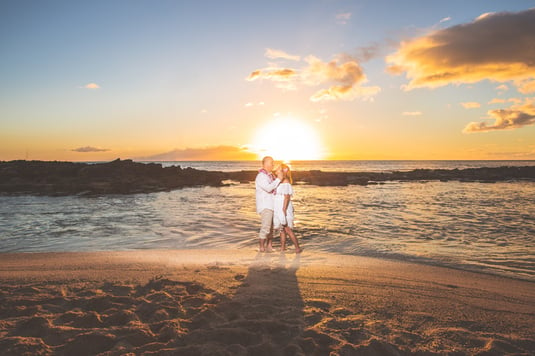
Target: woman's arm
(287,198)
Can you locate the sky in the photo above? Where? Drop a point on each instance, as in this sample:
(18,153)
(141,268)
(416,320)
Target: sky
(235,80)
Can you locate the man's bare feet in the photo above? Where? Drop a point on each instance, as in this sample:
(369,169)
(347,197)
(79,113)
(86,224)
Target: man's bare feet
(298,250)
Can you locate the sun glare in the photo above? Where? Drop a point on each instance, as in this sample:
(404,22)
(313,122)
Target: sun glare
(287,139)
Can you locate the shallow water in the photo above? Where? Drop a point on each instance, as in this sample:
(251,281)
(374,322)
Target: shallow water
(487,227)
(352,166)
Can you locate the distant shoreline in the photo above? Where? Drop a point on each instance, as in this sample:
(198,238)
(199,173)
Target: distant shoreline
(55,178)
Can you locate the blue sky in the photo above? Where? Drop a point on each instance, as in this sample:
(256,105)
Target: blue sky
(168,76)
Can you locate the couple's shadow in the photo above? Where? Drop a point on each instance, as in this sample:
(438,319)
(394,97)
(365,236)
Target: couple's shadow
(264,317)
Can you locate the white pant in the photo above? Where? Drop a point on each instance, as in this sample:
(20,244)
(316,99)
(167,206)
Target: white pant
(266,230)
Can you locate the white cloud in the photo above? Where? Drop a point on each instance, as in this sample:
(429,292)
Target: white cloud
(275,53)
(471,105)
(411,113)
(343,76)
(514,117)
(92,86)
(343,18)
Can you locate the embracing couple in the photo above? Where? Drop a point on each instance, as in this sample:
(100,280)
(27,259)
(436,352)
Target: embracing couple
(274,204)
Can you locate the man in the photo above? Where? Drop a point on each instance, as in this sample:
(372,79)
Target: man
(266,184)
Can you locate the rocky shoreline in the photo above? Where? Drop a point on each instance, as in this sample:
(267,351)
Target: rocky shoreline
(55,178)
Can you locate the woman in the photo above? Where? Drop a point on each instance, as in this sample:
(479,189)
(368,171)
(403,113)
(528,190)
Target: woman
(283,217)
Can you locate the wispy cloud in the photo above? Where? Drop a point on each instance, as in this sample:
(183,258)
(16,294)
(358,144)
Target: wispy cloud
(496,46)
(502,101)
(251,104)
(471,105)
(445,19)
(217,153)
(502,87)
(496,101)
(276,74)
(343,18)
(343,76)
(92,86)
(89,149)
(514,117)
(276,53)
(411,113)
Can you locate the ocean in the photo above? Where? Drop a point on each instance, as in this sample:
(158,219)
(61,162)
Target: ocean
(474,226)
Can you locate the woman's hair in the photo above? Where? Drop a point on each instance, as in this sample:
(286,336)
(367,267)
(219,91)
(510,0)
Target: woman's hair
(287,172)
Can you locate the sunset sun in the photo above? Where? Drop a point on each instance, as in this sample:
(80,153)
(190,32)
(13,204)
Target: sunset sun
(287,139)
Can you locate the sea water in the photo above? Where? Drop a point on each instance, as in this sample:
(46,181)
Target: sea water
(481,226)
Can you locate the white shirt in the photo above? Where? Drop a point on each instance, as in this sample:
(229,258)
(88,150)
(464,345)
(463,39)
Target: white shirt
(264,191)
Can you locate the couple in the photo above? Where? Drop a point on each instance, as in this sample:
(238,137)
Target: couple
(273,203)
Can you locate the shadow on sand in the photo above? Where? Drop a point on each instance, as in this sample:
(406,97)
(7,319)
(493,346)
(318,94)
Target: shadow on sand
(264,317)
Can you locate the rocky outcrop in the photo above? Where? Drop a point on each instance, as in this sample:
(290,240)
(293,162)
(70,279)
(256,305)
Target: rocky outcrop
(116,177)
(128,177)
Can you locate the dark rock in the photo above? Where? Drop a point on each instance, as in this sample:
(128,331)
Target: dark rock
(128,177)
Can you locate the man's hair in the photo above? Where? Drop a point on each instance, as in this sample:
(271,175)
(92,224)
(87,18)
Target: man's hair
(265,159)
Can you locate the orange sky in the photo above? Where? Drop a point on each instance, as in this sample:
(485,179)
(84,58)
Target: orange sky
(320,80)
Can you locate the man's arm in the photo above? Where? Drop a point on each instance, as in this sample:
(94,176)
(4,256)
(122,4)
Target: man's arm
(262,181)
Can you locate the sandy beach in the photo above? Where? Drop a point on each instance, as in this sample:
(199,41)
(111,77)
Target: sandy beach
(239,302)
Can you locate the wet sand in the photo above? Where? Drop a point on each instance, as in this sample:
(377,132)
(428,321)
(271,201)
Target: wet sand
(193,302)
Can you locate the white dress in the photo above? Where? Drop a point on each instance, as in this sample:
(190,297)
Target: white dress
(279,219)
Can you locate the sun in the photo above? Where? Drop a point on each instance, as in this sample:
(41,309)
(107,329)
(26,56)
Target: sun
(287,139)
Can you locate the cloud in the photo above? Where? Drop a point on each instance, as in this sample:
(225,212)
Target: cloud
(502,101)
(517,116)
(471,105)
(92,86)
(495,46)
(445,19)
(275,53)
(89,149)
(275,74)
(411,113)
(251,104)
(345,74)
(365,53)
(343,18)
(216,153)
(527,87)
(502,87)
(343,77)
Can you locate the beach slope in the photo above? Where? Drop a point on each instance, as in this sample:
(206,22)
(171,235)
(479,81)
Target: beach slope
(194,302)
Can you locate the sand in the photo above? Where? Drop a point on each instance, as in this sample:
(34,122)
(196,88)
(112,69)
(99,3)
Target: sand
(213,302)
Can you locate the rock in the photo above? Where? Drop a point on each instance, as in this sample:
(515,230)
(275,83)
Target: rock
(128,177)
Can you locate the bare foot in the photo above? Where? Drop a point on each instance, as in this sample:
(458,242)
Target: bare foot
(269,250)
(298,250)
